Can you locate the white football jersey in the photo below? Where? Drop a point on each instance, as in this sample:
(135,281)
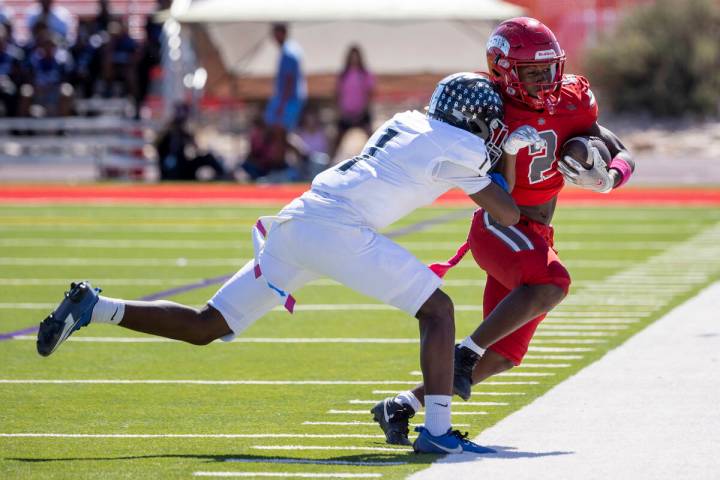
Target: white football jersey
(407,163)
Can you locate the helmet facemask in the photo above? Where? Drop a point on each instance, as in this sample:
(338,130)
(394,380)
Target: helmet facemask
(493,135)
(547,94)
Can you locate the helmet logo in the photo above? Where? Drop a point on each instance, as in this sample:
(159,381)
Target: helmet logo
(545,54)
(499,42)
(503,63)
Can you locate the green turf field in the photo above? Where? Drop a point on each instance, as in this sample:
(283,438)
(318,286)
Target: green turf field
(292,395)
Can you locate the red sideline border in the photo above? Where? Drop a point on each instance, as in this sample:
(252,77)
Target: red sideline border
(228,193)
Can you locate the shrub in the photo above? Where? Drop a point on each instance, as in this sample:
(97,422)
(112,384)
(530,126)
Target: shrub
(664,58)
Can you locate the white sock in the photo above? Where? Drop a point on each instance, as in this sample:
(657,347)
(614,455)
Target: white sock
(108,310)
(408,398)
(437,414)
(468,342)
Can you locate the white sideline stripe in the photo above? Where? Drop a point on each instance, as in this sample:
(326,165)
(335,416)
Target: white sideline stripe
(370,424)
(366,412)
(321,447)
(187,435)
(287,475)
(560,421)
(205,382)
(498,394)
(473,404)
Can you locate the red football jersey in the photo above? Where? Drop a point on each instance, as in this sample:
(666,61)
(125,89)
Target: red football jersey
(537,177)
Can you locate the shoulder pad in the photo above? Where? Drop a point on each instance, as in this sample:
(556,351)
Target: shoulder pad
(576,89)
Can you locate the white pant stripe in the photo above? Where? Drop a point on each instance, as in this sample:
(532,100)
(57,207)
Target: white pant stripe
(498,233)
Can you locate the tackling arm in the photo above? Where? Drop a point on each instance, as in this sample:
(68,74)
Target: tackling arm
(622,165)
(498,203)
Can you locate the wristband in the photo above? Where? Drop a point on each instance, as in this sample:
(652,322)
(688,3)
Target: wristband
(500,180)
(622,166)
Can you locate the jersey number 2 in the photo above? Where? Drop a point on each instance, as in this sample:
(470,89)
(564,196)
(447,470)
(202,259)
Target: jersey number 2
(542,159)
(388,135)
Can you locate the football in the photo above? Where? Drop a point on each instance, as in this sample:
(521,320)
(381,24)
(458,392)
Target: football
(578,148)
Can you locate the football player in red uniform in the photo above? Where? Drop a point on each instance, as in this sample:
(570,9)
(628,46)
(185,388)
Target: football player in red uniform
(525,277)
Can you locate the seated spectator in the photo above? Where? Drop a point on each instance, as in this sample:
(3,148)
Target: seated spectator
(354,92)
(311,141)
(86,54)
(6,20)
(261,159)
(50,69)
(11,60)
(178,155)
(58,19)
(150,55)
(119,59)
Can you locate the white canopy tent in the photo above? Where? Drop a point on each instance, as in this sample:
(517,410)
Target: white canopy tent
(397,37)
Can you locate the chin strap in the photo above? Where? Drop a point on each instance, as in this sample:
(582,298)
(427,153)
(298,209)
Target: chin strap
(620,164)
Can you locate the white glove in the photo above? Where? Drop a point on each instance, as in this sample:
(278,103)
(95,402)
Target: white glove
(596,179)
(524,136)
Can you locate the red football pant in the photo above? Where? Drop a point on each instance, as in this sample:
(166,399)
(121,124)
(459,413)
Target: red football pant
(515,256)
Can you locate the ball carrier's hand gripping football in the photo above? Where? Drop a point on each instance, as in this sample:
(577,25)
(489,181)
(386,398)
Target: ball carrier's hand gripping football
(597,178)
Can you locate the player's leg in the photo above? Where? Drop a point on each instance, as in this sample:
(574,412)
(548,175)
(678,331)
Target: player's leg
(375,266)
(491,363)
(526,279)
(82,305)
(238,303)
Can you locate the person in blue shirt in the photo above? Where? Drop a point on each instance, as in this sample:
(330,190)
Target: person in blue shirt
(283,111)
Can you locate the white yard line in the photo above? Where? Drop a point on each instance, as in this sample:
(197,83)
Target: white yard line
(366,412)
(202,382)
(187,435)
(648,409)
(469,404)
(370,424)
(287,475)
(325,447)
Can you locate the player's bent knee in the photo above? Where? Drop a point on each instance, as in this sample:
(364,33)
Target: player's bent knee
(548,296)
(438,308)
(210,326)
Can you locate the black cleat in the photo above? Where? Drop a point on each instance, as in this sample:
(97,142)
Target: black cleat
(394,419)
(73,313)
(465,360)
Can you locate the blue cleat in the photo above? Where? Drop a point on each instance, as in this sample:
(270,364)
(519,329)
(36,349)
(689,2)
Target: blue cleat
(73,313)
(451,442)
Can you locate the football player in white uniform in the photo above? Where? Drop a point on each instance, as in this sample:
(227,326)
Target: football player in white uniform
(332,231)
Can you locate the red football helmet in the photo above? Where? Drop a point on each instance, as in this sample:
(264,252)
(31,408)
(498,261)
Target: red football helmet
(521,42)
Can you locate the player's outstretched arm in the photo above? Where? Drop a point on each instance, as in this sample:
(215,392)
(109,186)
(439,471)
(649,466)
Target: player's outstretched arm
(622,165)
(498,203)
